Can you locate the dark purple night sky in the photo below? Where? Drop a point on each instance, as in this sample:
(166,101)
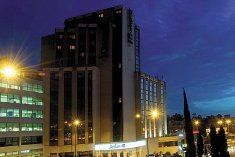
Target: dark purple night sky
(190,43)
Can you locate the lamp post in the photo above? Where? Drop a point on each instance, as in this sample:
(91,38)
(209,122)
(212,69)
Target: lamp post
(153,114)
(75,123)
(197,123)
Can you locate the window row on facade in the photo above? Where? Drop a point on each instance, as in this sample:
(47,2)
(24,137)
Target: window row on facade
(4,127)
(25,140)
(26,113)
(12,98)
(25,86)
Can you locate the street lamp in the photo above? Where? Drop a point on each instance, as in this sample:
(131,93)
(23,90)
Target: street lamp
(137,115)
(9,71)
(154,114)
(220,122)
(196,122)
(150,113)
(76,123)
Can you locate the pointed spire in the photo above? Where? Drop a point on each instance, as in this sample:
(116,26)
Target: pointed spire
(185,101)
(191,149)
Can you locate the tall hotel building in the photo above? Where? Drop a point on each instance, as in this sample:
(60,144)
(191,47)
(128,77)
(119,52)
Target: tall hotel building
(21,116)
(90,69)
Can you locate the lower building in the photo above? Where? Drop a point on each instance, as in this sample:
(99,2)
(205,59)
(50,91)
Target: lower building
(21,115)
(150,95)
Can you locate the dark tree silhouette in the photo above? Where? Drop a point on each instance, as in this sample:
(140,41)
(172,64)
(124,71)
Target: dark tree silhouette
(200,145)
(223,143)
(191,149)
(214,142)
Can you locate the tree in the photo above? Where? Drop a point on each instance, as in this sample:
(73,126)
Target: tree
(223,143)
(188,127)
(200,145)
(214,142)
(177,117)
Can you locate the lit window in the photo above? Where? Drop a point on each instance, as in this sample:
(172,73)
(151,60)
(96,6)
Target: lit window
(3,127)
(3,97)
(10,98)
(118,11)
(59,47)
(101,15)
(11,86)
(32,114)
(37,88)
(12,126)
(12,113)
(9,127)
(31,127)
(3,112)
(82,54)
(72,47)
(32,101)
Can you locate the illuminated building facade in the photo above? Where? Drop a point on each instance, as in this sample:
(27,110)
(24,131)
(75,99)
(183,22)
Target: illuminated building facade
(90,68)
(21,116)
(150,95)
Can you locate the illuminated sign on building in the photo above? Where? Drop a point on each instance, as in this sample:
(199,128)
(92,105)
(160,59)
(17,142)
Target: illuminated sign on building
(130,26)
(115,146)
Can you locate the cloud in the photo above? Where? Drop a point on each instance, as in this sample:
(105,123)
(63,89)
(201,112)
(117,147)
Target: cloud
(221,105)
(230,91)
(166,58)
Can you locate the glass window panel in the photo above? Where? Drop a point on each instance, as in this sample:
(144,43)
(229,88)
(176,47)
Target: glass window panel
(3,127)
(30,87)
(3,97)
(24,100)
(3,112)
(24,113)
(10,112)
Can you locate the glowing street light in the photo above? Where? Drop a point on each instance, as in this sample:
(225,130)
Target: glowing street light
(137,116)
(148,113)
(220,122)
(196,122)
(9,71)
(76,122)
(154,114)
(228,121)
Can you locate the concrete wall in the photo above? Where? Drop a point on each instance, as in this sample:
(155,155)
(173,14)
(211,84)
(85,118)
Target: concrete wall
(106,112)
(128,66)
(95,109)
